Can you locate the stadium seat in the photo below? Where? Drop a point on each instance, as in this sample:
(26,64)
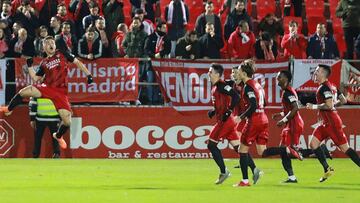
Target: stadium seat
(194,13)
(340,41)
(333,4)
(337,26)
(314,7)
(286,21)
(312,22)
(264,7)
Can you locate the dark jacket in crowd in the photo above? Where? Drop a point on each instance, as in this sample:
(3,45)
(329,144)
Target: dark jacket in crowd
(134,43)
(150,45)
(210,46)
(27,50)
(61,44)
(201,24)
(314,47)
(114,15)
(232,22)
(83,49)
(181,48)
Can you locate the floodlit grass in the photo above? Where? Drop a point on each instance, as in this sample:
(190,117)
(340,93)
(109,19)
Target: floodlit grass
(170,181)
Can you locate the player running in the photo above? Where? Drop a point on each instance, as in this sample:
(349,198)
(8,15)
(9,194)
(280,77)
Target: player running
(224,99)
(290,119)
(53,71)
(328,97)
(256,128)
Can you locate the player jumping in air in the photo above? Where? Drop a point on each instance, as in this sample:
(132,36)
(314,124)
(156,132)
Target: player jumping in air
(328,97)
(53,71)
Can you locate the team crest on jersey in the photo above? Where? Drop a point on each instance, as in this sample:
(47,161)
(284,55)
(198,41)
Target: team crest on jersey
(328,94)
(53,63)
(292,99)
(227,88)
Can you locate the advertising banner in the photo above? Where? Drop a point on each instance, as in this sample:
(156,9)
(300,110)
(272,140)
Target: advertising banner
(125,133)
(186,84)
(115,79)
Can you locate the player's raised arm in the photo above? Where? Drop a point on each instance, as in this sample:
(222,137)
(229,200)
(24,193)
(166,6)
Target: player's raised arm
(341,99)
(35,76)
(82,67)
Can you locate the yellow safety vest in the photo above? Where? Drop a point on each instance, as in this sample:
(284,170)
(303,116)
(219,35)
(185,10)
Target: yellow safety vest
(45,107)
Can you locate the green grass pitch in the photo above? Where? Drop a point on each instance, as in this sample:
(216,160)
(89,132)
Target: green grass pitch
(170,181)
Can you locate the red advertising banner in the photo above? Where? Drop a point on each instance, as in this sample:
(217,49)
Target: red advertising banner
(186,85)
(115,79)
(303,72)
(350,81)
(162,134)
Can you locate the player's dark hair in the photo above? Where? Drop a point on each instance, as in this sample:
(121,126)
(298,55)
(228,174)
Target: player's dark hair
(326,68)
(287,74)
(248,66)
(218,68)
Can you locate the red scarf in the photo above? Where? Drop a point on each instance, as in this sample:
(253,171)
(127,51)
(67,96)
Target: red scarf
(159,44)
(90,44)
(67,40)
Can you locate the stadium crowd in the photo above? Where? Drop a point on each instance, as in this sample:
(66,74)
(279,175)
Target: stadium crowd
(189,29)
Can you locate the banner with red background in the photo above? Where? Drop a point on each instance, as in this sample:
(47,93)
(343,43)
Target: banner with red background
(186,84)
(115,132)
(303,70)
(115,79)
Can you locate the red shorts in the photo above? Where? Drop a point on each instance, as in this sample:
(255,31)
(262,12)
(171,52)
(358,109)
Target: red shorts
(255,132)
(57,95)
(290,135)
(336,133)
(240,126)
(224,130)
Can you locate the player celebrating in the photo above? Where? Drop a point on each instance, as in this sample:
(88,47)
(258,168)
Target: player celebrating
(256,128)
(290,117)
(328,97)
(53,70)
(238,85)
(224,99)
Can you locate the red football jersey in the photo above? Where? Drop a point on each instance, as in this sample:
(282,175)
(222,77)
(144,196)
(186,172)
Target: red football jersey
(55,69)
(328,91)
(253,90)
(220,98)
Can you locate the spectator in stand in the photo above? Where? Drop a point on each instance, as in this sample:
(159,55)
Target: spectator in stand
(134,41)
(90,46)
(233,19)
(148,25)
(55,26)
(100,29)
(177,18)
(210,43)
(93,16)
(322,45)
(266,47)
(357,47)
(114,15)
(116,40)
(3,44)
(7,30)
(148,7)
(66,40)
(7,13)
(64,16)
(241,42)
(80,9)
(38,43)
(229,6)
(158,45)
(349,12)
(208,17)
(26,15)
(188,47)
(294,44)
(297,4)
(15,29)
(22,46)
(46,10)
(272,26)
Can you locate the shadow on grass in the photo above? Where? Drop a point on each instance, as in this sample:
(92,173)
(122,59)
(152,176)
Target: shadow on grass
(322,187)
